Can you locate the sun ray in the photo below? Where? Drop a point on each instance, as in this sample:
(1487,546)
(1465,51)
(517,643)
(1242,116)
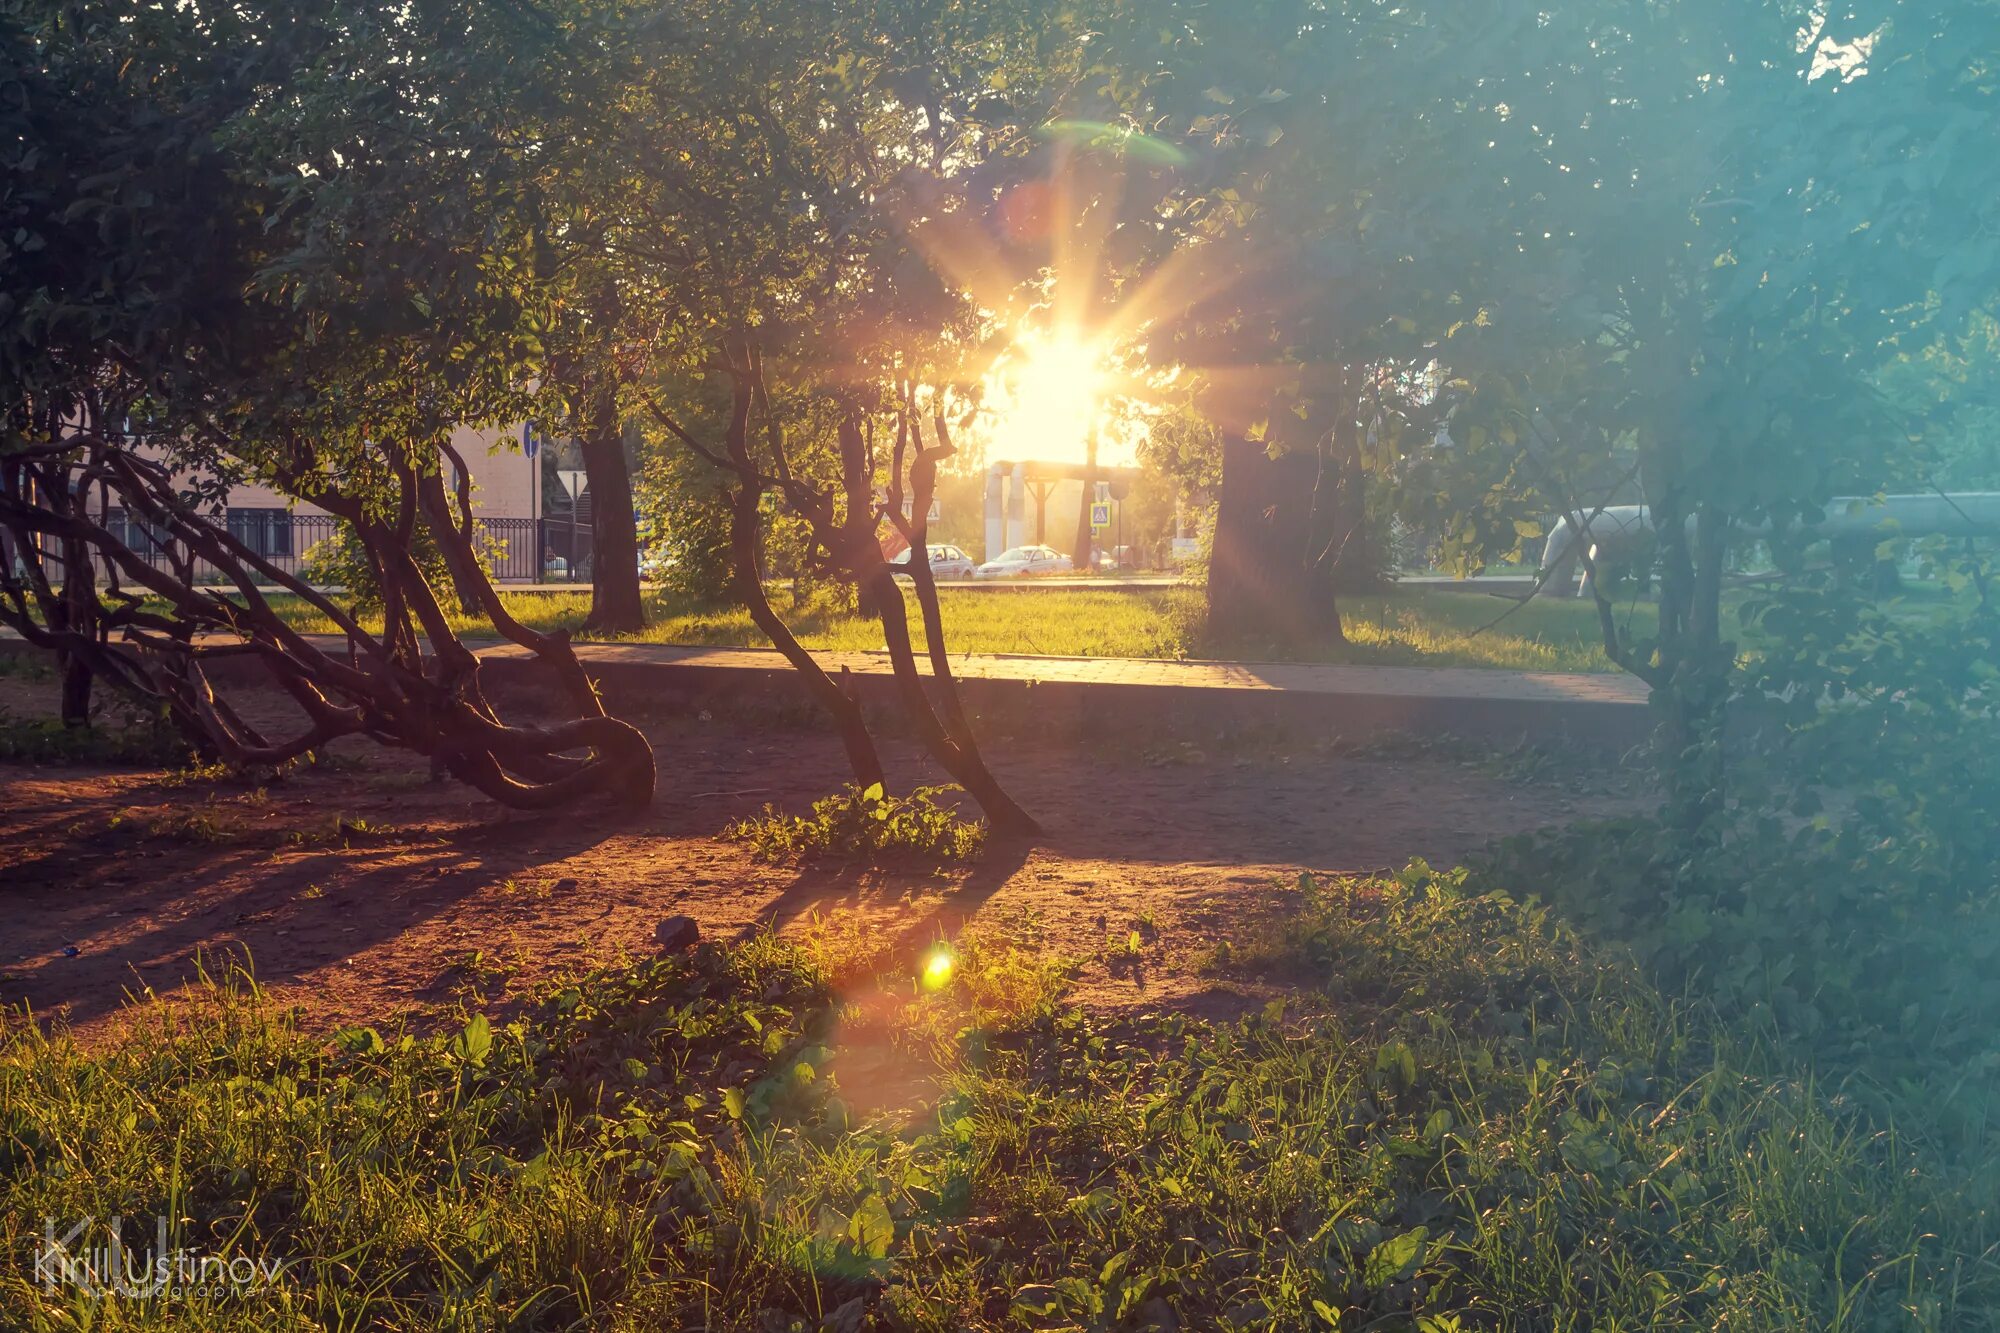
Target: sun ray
(1065,359)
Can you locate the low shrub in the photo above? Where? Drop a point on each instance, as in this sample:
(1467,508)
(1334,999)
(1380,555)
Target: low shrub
(1846,897)
(866,825)
(131,737)
(339,561)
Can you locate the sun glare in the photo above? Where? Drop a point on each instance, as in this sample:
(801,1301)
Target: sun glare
(1045,397)
(938,967)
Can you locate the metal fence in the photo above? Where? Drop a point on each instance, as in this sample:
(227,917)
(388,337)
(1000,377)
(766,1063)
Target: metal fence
(517,550)
(513,546)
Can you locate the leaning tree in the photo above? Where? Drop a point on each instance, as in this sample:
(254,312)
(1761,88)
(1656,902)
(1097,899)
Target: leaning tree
(187,340)
(800,168)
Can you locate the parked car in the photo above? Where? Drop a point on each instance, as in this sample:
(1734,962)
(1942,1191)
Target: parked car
(947,562)
(1024,562)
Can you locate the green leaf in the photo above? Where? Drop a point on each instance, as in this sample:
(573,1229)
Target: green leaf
(359,1041)
(1036,1301)
(871,1230)
(472,1044)
(733,1102)
(872,793)
(1395,1258)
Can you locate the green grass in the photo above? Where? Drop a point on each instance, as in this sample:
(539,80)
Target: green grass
(1399,627)
(127,737)
(858,826)
(1469,1119)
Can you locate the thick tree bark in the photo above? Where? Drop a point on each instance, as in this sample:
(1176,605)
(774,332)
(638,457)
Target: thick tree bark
(80,617)
(616,606)
(76,682)
(1340,503)
(1265,577)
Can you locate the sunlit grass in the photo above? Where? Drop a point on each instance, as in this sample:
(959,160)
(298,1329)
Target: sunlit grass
(1432,627)
(1396,628)
(1465,1117)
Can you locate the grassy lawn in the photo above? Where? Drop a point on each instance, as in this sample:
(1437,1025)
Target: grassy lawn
(1466,1119)
(1403,627)
(1398,627)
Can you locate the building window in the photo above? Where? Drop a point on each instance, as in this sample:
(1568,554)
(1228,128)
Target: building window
(267,532)
(135,534)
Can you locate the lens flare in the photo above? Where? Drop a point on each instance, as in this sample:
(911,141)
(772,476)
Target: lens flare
(939,966)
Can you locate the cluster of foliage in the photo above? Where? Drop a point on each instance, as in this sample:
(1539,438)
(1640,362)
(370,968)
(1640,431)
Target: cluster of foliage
(1850,889)
(136,737)
(343,561)
(1483,1123)
(235,262)
(866,825)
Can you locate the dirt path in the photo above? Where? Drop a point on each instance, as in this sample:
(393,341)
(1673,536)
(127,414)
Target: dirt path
(362,891)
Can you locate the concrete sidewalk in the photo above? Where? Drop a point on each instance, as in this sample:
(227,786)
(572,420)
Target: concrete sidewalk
(1123,697)
(1155,698)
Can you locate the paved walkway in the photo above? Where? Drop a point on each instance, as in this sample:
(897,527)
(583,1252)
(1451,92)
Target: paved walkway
(1153,700)
(1502,584)
(1298,677)
(1126,696)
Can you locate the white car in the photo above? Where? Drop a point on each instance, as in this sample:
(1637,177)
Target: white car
(1024,562)
(947,562)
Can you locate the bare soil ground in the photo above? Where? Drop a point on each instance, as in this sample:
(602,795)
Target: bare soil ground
(361,891)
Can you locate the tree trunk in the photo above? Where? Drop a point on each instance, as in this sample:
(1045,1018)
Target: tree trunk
(460,559)
(1340,508)
(1264,575)
(76,680)
(1084,541)
(616,606)
(963,763)
(841,705)
(79,602)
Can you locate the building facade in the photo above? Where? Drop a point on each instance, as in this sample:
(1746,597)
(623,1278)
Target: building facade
(507,506)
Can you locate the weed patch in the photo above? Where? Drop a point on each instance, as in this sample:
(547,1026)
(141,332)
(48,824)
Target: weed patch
(1493,1125)
(866,825)
(134,739)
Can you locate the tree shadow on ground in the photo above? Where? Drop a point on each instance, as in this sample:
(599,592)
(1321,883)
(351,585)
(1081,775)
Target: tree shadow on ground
(102,914)
(816,890)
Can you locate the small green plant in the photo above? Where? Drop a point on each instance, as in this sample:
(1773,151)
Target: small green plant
(866,824)
(134,738)
(340,562)
(197,774)
(24,665)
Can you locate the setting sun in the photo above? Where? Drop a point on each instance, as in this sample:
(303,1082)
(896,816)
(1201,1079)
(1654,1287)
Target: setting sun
(1046,395)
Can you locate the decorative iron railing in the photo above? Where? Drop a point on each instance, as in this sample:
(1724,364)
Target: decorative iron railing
(518,550)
